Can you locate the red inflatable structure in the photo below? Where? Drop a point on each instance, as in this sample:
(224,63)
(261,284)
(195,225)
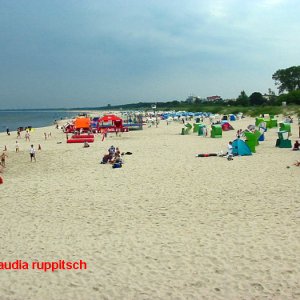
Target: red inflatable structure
(72,141)
(82,136)
(111,123)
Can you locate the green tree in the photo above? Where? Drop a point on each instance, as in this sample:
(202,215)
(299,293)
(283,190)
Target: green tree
(242,99)
(290,98)
(198,100)
(287,79)
(272,97)
(256,98)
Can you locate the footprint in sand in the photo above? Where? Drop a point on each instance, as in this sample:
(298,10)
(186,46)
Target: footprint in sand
(257,286)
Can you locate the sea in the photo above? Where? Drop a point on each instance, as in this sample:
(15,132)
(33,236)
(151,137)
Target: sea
(13,119)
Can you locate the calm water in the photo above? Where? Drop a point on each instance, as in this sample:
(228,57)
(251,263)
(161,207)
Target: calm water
(34,118)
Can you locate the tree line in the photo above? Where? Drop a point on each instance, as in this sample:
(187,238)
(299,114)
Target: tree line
(287,80)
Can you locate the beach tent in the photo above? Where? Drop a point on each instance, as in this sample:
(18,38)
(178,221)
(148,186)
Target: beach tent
(187,129)
(232,117)
(202,130)
(252,139)
(239,147)
(285,126)
(216,131)
(196,127)
(283,140)
(68,128)
(226,126)
(109,118)
(112,119)
(82,123)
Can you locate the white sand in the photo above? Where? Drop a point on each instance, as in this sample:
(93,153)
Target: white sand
(167,225)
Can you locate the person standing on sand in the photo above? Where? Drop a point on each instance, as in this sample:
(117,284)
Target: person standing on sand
(18,134)
(17,146)
(27,136)
(32,153)
(3,157)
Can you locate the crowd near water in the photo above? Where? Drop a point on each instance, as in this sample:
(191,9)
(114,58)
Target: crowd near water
(13,119)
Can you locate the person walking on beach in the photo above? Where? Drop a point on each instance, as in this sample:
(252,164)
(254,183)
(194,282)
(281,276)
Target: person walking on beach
(18,134)
(7,131)
(17,146)
(3,157)
(32,153)
(27,136)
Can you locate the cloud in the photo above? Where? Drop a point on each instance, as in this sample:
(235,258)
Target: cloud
(55,50)
(272,3)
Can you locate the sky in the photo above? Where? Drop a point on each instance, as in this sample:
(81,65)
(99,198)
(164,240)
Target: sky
(69,53)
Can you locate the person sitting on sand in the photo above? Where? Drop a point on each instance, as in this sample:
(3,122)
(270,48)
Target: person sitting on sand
(3,157)
(118,152)
(106,158)
(229,152)
(296,146)
(86,145)
(297,163)
(116,159)
(112,150)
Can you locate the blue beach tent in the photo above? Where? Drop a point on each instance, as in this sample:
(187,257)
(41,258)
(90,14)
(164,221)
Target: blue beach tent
(239,147)
(232,117)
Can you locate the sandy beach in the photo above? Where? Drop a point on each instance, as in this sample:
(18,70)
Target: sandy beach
(168,225)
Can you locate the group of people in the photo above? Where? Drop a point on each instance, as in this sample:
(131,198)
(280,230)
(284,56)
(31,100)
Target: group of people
(47,135)
(113,156)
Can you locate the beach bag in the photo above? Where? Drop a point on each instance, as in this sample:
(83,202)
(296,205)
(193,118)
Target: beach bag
(1,180)
(117,165)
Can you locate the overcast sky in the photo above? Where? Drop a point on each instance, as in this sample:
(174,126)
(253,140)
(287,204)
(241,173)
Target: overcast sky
(93,52)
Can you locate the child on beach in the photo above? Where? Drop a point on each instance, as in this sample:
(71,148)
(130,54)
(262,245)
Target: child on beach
(296,146)
(17,146)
